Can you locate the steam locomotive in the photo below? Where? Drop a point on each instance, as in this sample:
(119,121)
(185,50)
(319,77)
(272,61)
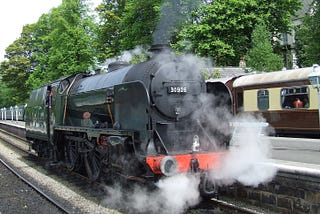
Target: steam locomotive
(135,122)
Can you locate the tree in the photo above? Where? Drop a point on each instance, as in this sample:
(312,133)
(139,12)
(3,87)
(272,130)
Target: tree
(308,37)
(138,23)
(261,56)
(222,29)
(65,42)
(125,25)
(173,14)
(108,34)
(41,44)
(6,95)
(16,69)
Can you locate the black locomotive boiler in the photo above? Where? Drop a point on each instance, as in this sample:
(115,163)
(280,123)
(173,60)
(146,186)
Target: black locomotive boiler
(135,121)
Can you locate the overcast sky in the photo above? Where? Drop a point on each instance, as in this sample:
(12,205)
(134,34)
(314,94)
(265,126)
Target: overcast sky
(14,14)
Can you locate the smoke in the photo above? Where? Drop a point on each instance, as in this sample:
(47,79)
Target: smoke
(126,56)
(215,115)
(182,67)
(247,160)
(174,195)
(173,14)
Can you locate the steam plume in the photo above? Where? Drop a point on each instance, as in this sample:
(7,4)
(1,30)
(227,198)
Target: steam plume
(173,14)
(174,195)
(248,158)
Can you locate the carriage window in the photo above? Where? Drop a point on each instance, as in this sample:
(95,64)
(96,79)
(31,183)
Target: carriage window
(263,99)
(295,97)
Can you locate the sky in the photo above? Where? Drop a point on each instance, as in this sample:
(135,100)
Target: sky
(14,14)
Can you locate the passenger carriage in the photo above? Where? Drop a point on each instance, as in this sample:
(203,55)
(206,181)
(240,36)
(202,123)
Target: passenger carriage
(286,99)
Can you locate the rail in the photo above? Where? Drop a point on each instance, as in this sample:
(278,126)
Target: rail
(38,190)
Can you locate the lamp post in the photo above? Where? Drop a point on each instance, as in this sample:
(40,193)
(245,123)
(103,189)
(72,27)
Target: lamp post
(314,78)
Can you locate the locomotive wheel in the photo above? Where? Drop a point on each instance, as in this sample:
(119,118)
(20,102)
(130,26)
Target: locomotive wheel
(72,156)
(92,163)
(207,188)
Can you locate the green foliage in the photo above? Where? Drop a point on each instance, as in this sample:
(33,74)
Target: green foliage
(217,74)
(261,56)
(173,14)
(137,58)
(206,75)
(16,69)
(222,28)
(211,74)
(6,95)
(308,37)
(127,24)
(108,34)
(67,41)
(138,22)
(64,40)
(124,25)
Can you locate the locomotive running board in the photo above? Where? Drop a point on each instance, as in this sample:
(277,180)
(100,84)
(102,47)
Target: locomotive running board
(96,132)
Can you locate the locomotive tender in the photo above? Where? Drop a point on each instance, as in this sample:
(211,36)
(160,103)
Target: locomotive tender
(135,121)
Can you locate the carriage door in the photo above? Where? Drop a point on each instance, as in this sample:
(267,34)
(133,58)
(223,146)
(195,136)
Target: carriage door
(238,100)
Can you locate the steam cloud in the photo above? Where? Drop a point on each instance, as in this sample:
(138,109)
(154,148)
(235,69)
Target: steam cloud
(173,13)
(126,56)
(247,160)
(174,195)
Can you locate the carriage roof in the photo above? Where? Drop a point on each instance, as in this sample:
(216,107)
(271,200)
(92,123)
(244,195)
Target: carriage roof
(300,74)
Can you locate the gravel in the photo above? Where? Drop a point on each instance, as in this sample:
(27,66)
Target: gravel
(18,197)
(9,203)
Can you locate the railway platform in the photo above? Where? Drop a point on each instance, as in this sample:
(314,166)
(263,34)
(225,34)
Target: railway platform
(15,127)
(20,124)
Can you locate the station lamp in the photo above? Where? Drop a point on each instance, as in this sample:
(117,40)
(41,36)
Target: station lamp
(314,78)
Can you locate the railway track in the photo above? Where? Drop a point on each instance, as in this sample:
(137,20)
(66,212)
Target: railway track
(49,199)
(229,207)
(98,192)
(69,190)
